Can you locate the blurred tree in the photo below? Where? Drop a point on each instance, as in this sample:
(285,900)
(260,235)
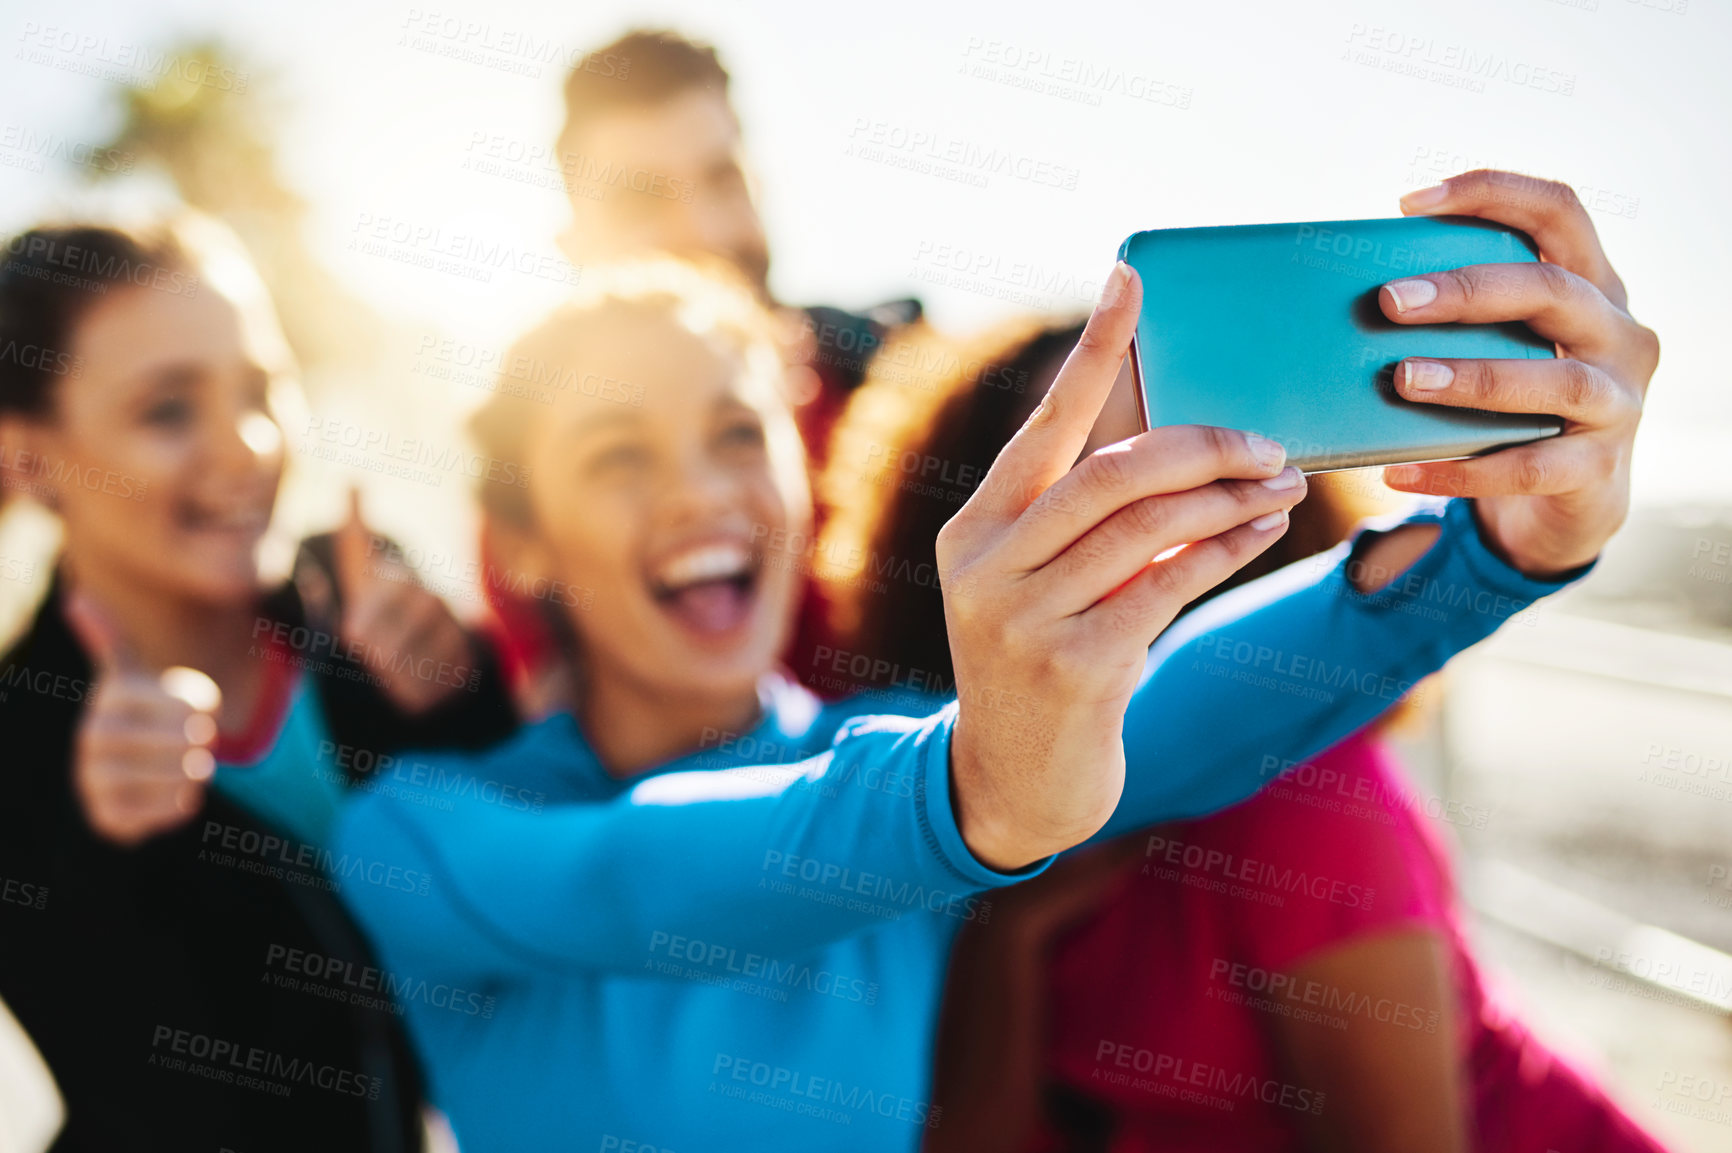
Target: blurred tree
(214,141)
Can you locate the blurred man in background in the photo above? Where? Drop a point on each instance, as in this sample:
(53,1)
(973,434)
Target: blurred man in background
(652,157)
(653,160)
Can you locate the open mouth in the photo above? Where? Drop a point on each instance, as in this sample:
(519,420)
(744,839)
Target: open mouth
(709,587)
(245,521)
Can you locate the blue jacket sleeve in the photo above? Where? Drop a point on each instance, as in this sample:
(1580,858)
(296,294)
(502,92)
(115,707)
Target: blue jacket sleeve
(1278,670)
(771,860)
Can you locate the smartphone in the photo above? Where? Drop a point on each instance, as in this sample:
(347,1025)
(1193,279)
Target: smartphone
(1275,329)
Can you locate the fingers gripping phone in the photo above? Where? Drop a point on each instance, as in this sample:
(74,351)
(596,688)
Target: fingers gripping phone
(1275,329)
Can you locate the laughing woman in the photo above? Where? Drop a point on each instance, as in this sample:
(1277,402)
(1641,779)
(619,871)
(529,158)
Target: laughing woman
(685,954)
(176,820)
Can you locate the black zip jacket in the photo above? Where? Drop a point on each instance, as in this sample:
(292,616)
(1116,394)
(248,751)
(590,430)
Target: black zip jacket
(205,990)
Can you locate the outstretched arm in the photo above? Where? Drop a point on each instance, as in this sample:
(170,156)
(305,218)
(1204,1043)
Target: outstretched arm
(1274,672)
(766,861)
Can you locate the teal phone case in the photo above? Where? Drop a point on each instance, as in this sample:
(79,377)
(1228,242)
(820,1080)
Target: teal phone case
(1275,329)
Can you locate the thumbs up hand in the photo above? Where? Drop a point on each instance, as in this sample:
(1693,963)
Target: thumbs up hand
(404,634)
(142,753)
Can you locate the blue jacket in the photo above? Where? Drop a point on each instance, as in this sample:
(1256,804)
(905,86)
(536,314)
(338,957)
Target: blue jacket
(718,958)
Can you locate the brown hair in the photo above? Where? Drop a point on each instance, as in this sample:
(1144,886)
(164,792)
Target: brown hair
(50,277)
(916,440)
(641,69)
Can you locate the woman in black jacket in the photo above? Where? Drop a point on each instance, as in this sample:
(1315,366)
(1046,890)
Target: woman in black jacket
(173,938)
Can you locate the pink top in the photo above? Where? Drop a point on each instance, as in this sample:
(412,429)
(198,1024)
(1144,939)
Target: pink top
(1163,1004)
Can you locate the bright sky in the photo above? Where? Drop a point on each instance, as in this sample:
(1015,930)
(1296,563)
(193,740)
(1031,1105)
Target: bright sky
(1116,118)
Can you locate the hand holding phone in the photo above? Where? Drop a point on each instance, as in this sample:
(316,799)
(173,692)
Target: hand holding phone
(1567,364)
(1549,507)
(1276,329)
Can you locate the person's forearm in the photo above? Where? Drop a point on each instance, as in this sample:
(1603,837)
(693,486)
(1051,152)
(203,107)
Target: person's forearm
(771,861)
(1277,671)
